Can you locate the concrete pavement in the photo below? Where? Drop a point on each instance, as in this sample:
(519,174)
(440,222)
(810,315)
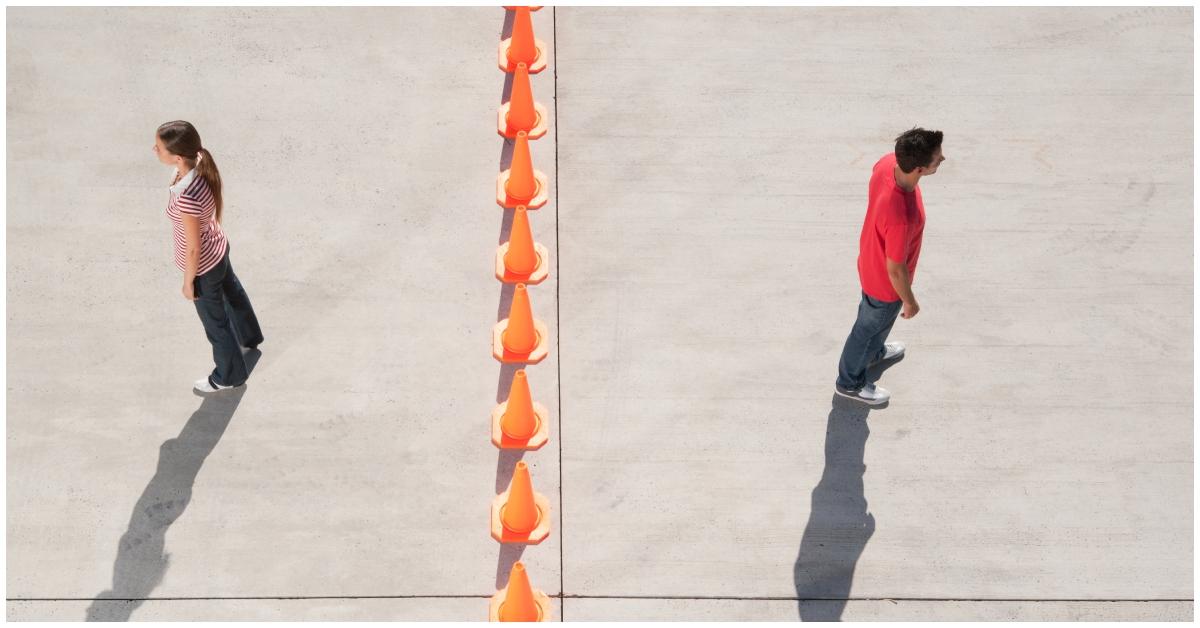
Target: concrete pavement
(708,170)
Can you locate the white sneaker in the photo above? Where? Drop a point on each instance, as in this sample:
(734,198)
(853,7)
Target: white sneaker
(870,394)
(891,351)
(206,386)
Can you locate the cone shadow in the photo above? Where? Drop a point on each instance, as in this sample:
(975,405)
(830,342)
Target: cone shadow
(510,553)
(506,464)
(506,91)
(506,30)
(506,225)
(507,372)
(506,153)
(506,298)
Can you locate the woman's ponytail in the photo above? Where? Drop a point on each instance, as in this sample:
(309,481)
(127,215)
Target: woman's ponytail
(207,168)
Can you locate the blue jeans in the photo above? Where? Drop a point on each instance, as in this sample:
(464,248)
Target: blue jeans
(865,344)
(224,309)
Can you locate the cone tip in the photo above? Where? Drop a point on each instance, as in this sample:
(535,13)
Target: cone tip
(518,566)
(520,373)
(521,465)
(522,134)
(521,287)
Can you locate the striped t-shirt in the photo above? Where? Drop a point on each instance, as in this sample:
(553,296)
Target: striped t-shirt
(190,195)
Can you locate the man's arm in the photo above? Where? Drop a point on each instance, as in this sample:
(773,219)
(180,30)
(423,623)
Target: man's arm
(898,274)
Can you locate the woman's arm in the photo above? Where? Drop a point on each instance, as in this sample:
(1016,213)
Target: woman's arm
(191,232)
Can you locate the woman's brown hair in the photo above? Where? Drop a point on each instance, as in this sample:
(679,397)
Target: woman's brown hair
(181,138)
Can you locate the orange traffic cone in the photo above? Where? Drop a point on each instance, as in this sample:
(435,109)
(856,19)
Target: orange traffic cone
(521,260)
(521,113)
(519,515)
(521,184)
(520,337)
(519,601)
(521,257)
(533,8)
(522,46)
(520,423)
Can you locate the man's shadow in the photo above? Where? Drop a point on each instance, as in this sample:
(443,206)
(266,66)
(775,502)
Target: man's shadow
(141,561)
(839,525)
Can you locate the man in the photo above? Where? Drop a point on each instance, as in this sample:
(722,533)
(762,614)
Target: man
(887,260)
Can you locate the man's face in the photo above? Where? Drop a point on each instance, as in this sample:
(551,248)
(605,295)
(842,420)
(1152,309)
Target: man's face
(937,161)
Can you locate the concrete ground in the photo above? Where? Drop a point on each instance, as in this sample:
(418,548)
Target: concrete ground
(708,173)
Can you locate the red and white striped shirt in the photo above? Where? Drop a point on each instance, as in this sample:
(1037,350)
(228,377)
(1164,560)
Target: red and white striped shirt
(190,195)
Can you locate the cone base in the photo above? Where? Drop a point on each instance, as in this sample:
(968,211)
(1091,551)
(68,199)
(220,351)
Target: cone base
(540,198)
(538,354)
(533,537)
(538,275)
(539,438)
(539,129)
(541,599)
(538,64)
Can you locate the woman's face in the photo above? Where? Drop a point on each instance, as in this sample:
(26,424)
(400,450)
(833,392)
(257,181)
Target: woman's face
(164,155)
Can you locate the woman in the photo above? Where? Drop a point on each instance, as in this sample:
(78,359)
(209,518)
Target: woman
(202,253)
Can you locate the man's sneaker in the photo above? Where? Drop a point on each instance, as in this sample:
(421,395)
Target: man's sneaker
(870,394)
(891,351)
(206,385)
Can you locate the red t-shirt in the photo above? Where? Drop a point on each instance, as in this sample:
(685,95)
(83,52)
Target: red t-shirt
(892,230)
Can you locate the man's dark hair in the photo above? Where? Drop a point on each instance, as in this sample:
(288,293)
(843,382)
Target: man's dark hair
(915,148)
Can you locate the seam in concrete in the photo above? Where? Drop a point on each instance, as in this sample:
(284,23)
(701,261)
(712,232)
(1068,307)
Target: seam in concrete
(558,314)
(865,599)
(270,597)
(595,597)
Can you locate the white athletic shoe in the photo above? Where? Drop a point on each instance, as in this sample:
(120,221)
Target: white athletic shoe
(206,386)
(869,394)
(891,351)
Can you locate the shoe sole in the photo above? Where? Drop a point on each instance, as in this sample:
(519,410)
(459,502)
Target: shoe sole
(860,399)
(209,392)
(891,359)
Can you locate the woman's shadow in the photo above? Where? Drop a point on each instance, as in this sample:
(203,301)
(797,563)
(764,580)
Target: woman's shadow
(141,561)
(839,525)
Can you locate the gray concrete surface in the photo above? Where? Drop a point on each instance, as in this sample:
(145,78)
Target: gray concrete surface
(873,610)
(335,609)
(1035,463)
(360,176)
(712,186)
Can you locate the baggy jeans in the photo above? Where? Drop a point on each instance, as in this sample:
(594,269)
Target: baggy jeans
(229,321)
(865,343)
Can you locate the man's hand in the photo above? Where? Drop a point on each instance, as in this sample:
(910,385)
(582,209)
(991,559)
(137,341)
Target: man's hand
(188,292)
(902,282)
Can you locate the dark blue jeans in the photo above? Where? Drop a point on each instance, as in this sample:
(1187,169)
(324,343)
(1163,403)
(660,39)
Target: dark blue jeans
(865,344)
(229,321)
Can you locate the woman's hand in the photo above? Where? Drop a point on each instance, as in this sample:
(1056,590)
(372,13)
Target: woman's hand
(188,292)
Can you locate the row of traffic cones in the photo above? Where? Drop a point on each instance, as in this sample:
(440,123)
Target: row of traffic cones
(521,515)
